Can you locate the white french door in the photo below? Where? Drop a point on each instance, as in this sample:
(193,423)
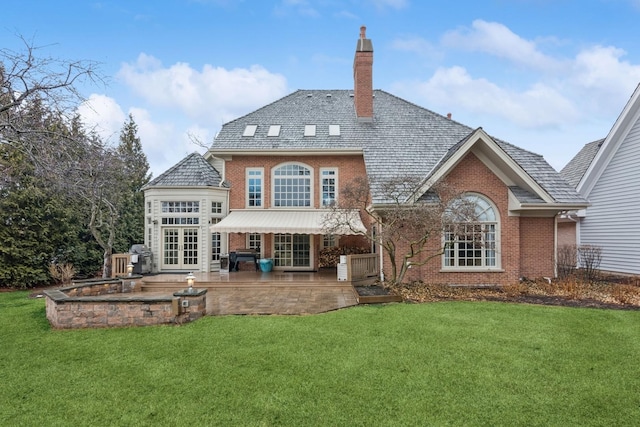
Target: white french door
(180,248)
(292,251)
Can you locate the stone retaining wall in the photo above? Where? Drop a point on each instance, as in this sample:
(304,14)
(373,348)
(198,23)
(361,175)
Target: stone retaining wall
(100,304)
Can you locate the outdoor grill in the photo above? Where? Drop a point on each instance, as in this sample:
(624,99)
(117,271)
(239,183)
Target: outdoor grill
(140,258)
(248,255)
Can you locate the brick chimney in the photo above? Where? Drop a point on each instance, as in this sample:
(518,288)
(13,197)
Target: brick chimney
(363,78)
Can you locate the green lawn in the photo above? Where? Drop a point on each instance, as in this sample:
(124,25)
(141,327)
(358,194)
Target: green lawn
(458,363)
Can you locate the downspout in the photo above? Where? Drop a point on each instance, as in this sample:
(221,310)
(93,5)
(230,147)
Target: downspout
(555,246)
(381,261)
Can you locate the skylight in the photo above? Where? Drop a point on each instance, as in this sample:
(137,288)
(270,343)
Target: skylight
(250,130)
(334,130)
(309,130)
(274,130)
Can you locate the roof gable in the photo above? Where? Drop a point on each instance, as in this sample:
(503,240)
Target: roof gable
(493,156)
(192,171)
(628,118)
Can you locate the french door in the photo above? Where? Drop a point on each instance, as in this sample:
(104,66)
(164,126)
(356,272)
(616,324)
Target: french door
(292,250)
(180,248)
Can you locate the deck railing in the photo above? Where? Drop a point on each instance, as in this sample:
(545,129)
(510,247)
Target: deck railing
(119,263)
(362,267)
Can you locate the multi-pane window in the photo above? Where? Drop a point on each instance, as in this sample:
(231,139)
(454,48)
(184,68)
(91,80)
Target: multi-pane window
(216,238)
(292,186)
(329,183)
(180,221)
(254,188)
(470,238)
(216,242)
(254,241)
(329,241)
(180,207)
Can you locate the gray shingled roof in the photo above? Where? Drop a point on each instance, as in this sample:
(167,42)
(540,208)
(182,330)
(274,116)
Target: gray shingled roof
(402,139)
(577,167)
(524,196)
(192,171)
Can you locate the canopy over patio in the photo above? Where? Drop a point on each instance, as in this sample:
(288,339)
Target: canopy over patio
(307,221)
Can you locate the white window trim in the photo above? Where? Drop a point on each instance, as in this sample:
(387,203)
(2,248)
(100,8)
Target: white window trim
(336,240)
(311,182)
(246,193)
(261,243)
(498,245)
(321,190)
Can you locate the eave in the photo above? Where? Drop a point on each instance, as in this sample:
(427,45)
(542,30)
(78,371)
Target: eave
(543,209)
(264,152)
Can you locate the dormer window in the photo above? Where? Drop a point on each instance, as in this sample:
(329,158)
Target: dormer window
(274,130)
(309,130)
(250,130)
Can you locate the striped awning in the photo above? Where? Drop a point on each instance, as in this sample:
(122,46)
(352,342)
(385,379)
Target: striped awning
(308,221)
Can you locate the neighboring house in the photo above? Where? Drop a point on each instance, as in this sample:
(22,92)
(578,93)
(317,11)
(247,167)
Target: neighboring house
(284,164)
(607,173)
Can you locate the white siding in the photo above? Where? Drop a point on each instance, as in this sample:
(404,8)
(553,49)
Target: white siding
(613,219)
(204,196)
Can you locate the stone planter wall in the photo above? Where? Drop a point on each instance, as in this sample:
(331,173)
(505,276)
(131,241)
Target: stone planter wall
(99,305)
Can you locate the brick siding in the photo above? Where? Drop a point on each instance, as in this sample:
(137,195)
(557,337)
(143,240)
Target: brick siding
(526,244)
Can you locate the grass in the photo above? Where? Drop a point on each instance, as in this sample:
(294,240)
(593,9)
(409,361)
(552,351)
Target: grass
(452,363)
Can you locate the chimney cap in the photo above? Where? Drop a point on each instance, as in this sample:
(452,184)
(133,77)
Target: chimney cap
(363,32)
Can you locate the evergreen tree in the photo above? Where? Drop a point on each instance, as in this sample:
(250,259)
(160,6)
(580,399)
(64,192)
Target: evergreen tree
(37,227)
(136,174)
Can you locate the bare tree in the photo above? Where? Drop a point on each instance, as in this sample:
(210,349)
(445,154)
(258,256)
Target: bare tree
(407,228)
(38,99)
(39,81)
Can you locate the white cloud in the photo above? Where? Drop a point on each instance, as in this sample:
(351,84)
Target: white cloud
(177,103)
(212,95)
(602,78)
(164,142)
(103,115)
(498,40)
(538,106)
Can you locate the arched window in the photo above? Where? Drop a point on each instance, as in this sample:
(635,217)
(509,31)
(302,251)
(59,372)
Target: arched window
(292,186)
(471,234)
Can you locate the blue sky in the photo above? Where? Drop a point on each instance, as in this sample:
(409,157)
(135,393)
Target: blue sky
(546,75)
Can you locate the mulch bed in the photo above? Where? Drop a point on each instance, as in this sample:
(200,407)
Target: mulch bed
(618,294)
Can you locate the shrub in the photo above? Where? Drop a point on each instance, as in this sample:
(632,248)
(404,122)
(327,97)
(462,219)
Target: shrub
(590,257)
(567,260)
(62,273)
